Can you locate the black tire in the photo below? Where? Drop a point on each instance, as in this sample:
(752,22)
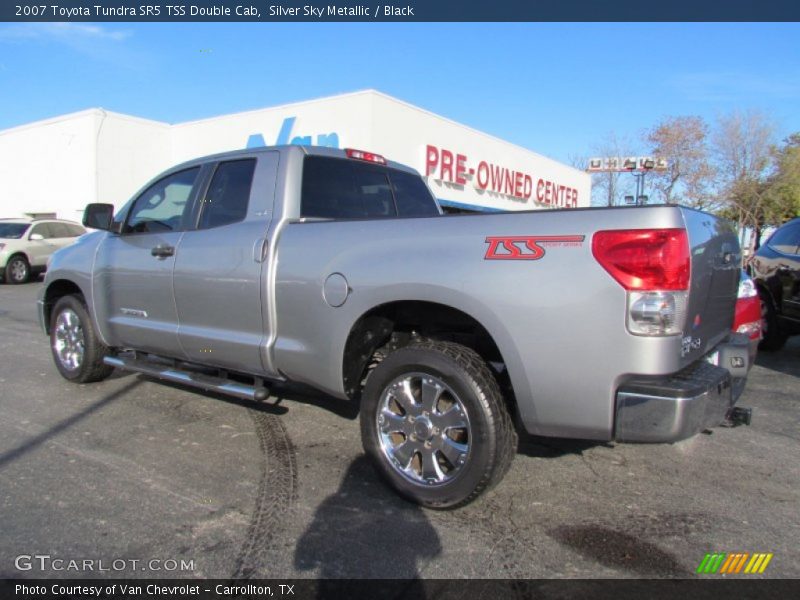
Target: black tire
(772,338)
(461,377)
(17,270)
(77,350)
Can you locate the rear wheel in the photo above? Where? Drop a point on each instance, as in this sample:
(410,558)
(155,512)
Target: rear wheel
(771,337)
(17,270)
(77,350)
(434,423)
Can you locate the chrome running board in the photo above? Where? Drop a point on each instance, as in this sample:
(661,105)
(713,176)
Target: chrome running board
(174,373)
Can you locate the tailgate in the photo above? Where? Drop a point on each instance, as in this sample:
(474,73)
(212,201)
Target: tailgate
(716,264)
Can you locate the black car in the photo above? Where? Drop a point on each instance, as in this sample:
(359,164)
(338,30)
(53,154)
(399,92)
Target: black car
(775,267)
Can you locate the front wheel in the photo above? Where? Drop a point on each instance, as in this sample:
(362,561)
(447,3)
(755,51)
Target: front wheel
(434,423)
(77,350)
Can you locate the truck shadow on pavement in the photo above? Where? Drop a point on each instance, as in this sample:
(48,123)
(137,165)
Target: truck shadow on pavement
(544,447)
(36,441)
(363,530)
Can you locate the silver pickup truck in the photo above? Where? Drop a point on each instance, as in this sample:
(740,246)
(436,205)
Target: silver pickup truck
(336,268)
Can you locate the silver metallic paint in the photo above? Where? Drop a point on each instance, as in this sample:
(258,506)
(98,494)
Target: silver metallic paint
(559,321)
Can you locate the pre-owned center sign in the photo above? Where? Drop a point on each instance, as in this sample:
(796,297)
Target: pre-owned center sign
(454,167)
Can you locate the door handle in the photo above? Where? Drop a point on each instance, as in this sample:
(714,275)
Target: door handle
(260,250)
(163,251)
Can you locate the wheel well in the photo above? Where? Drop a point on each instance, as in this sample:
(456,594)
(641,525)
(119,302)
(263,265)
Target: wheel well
(55,291)
(16,254)
(764,290)
(397,324)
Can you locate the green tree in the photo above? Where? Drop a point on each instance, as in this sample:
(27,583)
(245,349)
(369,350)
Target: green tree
(783,191)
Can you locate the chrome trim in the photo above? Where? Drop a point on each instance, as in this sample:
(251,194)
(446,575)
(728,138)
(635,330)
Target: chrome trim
(198,380)
(423,429)
(68,340)
(669,417)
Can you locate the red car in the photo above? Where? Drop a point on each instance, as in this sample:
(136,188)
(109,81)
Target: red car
(748,313)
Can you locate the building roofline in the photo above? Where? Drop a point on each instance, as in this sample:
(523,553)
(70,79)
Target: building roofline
(472,129)
(280,106)
(96,111)
(369,92)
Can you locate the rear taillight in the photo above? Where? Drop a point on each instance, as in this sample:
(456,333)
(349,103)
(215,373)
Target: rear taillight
(367,156)
(645,259)
(653,265)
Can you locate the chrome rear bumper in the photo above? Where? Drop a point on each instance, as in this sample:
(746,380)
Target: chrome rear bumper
(675,407)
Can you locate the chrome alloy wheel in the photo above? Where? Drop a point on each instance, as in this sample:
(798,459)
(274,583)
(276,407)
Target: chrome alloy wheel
(424,429)
(69,341)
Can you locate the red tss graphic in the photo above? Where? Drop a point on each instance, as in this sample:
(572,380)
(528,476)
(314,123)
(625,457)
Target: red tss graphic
(526,247)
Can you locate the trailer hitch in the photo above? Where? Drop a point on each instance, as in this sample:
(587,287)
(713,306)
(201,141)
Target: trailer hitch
(739,415)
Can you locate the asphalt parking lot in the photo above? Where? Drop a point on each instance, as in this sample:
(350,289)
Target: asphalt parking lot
(144,476)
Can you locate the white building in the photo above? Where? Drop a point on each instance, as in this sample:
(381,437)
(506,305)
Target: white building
(59,165)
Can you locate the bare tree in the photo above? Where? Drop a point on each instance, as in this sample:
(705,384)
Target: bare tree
(579,161)
(742,144)
(608,188)
(689,175)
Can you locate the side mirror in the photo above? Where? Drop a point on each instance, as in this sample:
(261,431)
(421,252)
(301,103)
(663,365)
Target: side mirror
(98,216)
(36,237)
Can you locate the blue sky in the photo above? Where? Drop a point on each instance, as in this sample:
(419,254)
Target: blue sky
(557,89)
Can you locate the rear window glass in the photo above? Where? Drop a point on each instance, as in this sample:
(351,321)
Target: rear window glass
(786,238)
(335,188)
(12,231)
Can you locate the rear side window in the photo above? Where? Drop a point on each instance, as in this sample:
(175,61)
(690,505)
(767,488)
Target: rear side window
(60,230)
(412,196)
(335,188)
(228,194)
(786,239)
(75,230)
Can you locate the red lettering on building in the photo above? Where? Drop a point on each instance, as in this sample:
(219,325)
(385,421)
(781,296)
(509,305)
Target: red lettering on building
(447,165)
(452,167)
(483,175)
(431,159)
(461,169)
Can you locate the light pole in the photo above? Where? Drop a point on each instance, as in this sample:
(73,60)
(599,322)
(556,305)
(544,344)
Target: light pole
(645,165)
(637,166)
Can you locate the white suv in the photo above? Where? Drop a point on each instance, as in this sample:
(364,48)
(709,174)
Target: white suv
(26,245)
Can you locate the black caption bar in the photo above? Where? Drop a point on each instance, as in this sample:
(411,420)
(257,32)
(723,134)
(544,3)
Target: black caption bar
(371,589)
(402,10)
